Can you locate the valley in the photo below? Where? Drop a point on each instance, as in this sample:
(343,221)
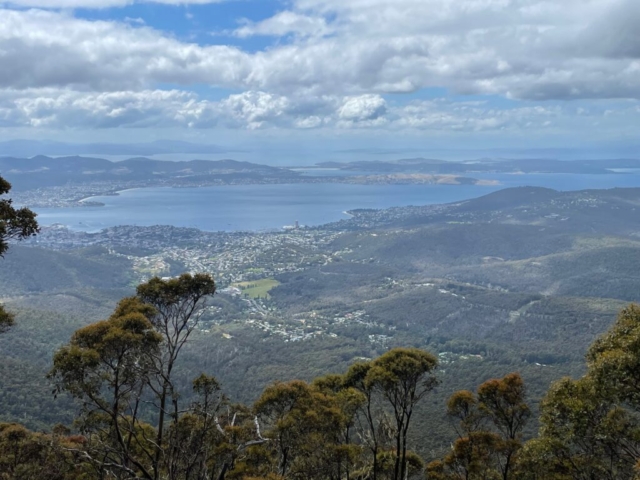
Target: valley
(519,280)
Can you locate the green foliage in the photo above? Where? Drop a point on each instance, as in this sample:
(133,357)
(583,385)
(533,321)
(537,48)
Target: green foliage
(346,426)
(307,428)
(177,294)
(14,223)
(583,435)
(590,426)
(26,455)
(503,401)
(295,430)
(614,359)
(106,366)
(489,427)
(114,366)
(7,319)
(257,288)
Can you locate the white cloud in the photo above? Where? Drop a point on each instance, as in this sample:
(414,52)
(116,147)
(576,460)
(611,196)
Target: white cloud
(309,122)
(67,109)
(475,116)
(46,49)
(364,108)
(60,108)
(137,20)
(334,64)
(71,109)
(285,23)
(254,109)
(528,49)
(531,49)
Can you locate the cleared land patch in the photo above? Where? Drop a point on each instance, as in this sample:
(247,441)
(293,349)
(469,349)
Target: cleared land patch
(257,288)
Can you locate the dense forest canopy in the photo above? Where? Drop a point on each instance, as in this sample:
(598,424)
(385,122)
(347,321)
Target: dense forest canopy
(132,421)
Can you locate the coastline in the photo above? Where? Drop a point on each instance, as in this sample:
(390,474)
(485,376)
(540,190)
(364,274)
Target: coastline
(94,222)
(57,200)
(111,193)
(84,196)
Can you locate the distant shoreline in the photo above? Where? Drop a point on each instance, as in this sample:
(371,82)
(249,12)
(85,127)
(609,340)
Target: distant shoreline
(87,195)
(368,180)
(111,193)
(353,214)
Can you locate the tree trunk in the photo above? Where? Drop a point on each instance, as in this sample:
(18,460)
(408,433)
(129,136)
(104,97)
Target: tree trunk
(159,437)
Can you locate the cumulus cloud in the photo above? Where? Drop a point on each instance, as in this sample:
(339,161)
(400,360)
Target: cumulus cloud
(364,109)
(474,116)
(46,49)
(254,109)
(69,109)
(333,64)
(526,49)
(530,49)
(61,108)
(72,109)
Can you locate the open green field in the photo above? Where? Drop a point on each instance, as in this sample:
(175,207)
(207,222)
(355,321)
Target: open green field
(257,288)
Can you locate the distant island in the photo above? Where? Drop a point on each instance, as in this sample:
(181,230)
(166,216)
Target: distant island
(43,181)
(489,165)
(416,178)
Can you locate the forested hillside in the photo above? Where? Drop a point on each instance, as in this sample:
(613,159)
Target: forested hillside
(132,419)
(41,171)
(520,281)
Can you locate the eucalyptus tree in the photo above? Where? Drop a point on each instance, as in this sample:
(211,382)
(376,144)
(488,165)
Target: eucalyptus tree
(503,401)
(489,425)
(374,428)
(583,435)
(614,359)
(196,438)
(106,366)
(403,376)
(15,224)
(123,367)
(178,304)
(590,427)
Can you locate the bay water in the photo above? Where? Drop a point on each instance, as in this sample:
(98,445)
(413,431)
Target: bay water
(269,207)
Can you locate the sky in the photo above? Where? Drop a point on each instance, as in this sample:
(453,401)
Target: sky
(323,79)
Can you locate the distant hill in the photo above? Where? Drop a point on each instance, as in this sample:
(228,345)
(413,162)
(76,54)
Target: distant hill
(42,171)
(532,165)
(511,197)
(534,240)
(612,210)
(33,270)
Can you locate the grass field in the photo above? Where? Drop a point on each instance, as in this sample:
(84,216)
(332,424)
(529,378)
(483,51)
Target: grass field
(257,288)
